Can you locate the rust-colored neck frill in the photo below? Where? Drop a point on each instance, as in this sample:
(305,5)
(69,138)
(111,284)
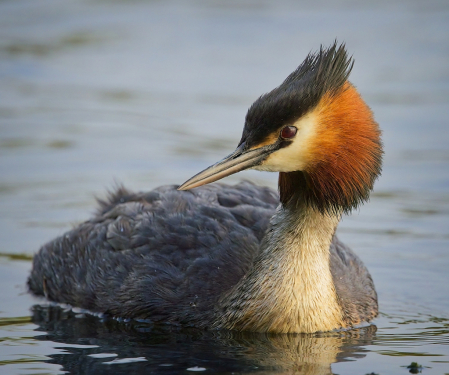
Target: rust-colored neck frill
(346,156)
(292,184)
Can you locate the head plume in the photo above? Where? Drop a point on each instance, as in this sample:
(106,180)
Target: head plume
(346,151)
(323,72)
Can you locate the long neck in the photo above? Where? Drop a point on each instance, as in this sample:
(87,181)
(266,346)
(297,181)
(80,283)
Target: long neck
(290,286)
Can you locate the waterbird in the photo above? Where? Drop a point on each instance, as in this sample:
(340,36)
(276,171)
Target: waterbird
(240,257)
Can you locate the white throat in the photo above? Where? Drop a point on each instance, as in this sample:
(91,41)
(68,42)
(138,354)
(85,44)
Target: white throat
(290,286)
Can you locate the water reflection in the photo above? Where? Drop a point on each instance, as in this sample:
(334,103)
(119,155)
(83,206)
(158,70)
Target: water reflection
(97,346)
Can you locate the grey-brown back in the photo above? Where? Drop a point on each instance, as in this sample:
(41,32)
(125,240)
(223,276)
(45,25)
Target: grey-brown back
(168,255)
(165,255)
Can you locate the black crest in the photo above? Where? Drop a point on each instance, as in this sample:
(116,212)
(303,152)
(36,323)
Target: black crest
(321,72)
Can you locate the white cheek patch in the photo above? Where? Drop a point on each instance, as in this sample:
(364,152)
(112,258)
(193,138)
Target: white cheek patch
(296,156)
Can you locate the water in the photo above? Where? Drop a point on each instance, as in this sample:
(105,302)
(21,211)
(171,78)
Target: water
(149,93)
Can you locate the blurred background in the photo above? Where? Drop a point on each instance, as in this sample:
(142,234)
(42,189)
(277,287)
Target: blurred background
(147,93)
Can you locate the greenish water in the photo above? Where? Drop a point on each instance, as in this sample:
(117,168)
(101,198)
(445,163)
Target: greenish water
(149,93)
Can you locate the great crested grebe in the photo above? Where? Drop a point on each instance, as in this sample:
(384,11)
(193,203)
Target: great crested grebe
(211,257)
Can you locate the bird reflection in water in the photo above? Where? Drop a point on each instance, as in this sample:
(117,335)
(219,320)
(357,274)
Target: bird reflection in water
(166,349)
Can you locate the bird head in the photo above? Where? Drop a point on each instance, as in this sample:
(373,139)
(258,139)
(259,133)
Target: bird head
(316,130)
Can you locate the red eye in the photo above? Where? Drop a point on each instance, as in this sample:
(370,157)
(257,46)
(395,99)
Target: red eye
(288,132)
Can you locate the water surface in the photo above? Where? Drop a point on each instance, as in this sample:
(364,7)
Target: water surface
(148,93)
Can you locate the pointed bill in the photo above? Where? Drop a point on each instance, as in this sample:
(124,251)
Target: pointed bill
(239,160)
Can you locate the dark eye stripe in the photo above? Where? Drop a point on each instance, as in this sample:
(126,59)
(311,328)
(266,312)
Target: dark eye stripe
(288,132)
